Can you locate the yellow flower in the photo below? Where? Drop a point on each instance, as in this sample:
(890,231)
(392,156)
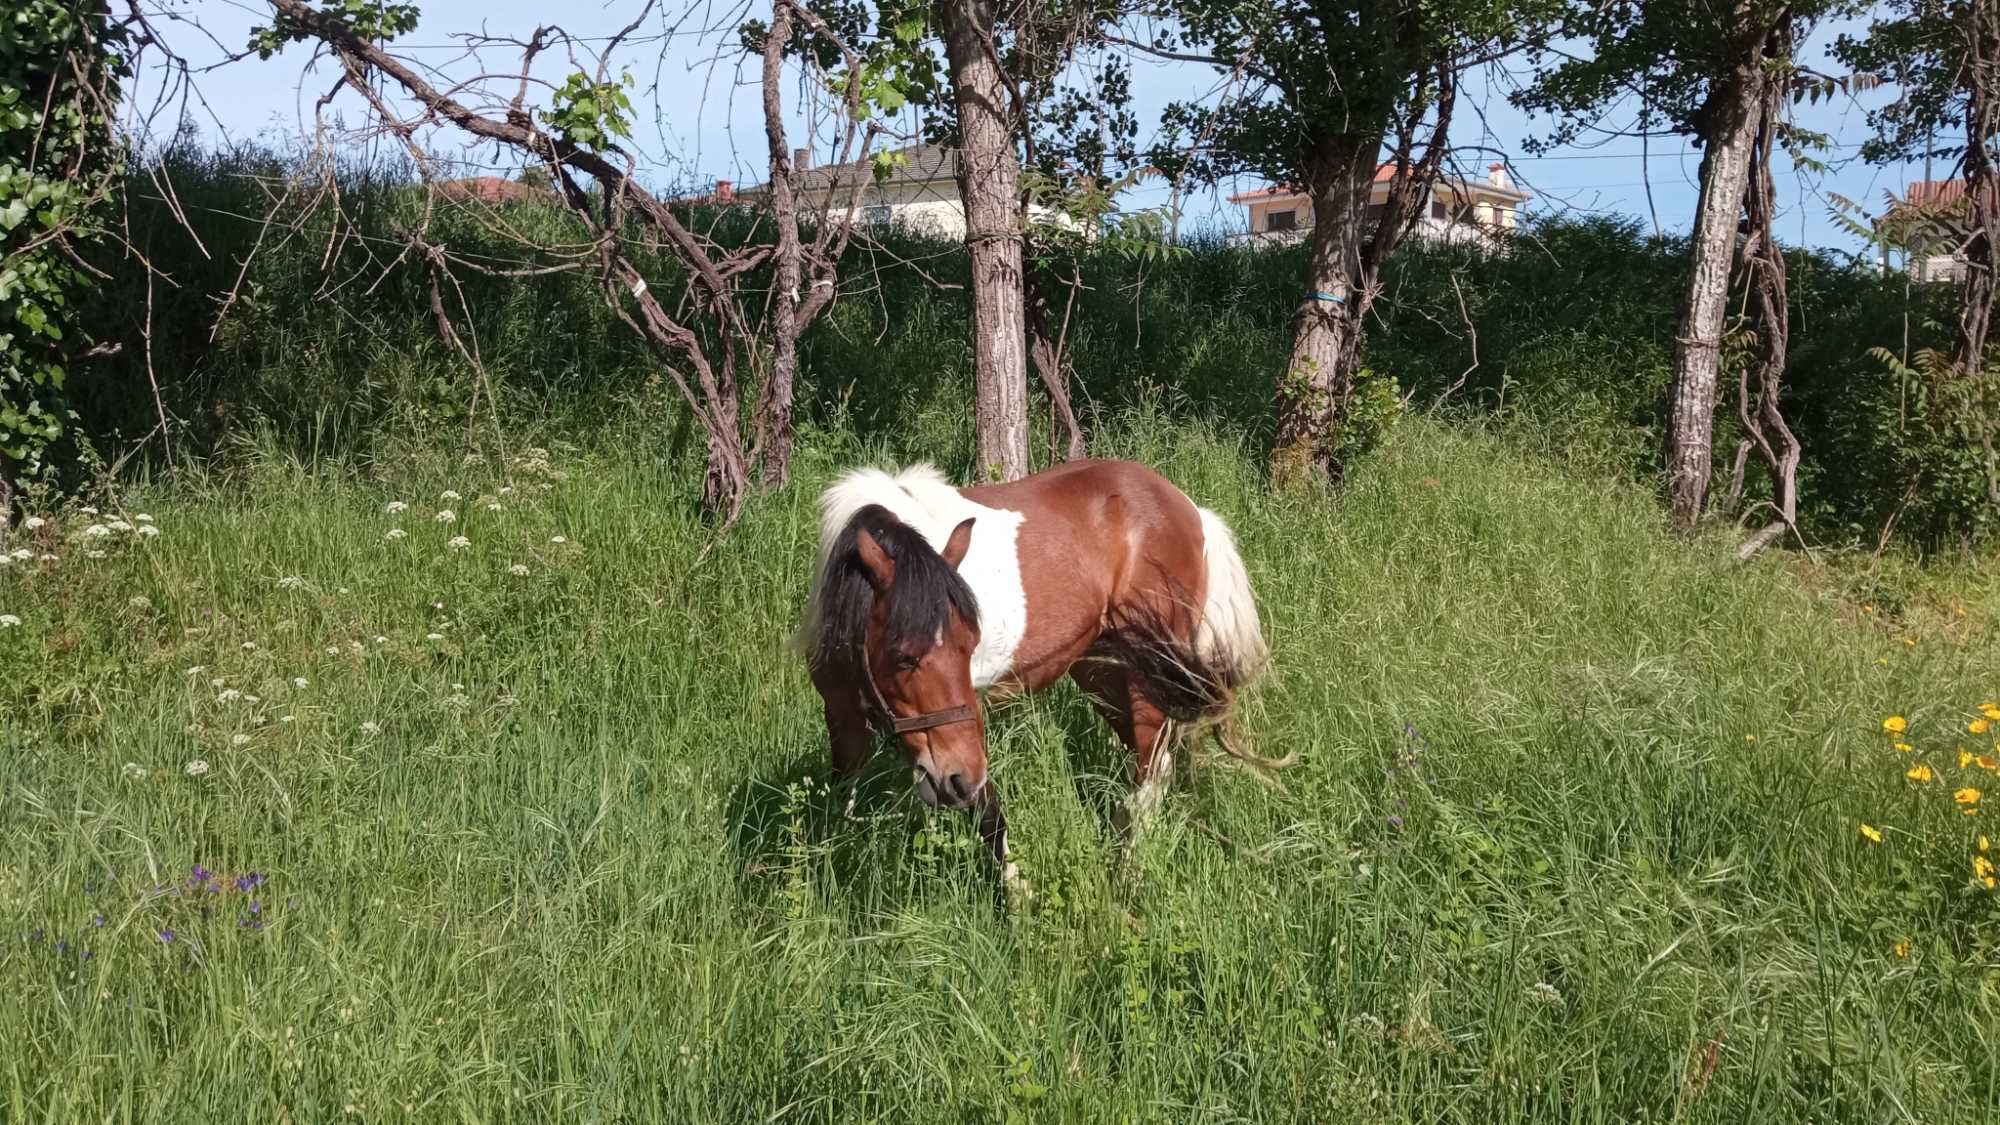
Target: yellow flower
(1919,772)
(1979,726)
(1988,762)
(1959,610)
(1873,833)
(1982,869)
(1749,738)
(1911,641)
(1990,710)
(1895,724)
(1881,660)
(1903,948)
(1965,757)
(1905,747)
(1982,843)
(1868,609)
(1967,796)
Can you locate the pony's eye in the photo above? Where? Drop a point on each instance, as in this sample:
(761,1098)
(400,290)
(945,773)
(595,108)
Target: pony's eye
(908,661)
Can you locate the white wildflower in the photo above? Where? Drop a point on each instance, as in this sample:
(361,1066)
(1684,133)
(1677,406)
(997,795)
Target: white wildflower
(518,570)
(197,767)
(458,543)
(291,582)
(88,511)
(494,506)
(545,486)
(148,530)
(506,490)
(394,506)
(239,740)
(371,729)
(217,682)
(356,646)
(558,540)
(142,518)
(1542,992)
(449,495)
(434,636)
(394,533)
(445,515)
(380,639)
(139,601)
(301,682)
(249,646)
(437,605)
(93,554)
(253,699)
(284,718)
(457,701)
(9,621)
(49,559)
(197,670)
(34,523)
(133,770)
(22,554)
(333,650)
(341,590)
(96,531)
(6,560)
(119,525)
(229,695)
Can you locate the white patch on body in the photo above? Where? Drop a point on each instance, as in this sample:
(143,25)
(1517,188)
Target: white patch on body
(921,497)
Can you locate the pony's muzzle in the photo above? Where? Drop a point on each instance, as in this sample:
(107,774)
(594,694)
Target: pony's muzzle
(950,789)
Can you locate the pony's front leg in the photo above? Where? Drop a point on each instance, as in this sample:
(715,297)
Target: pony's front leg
(847,734)
(993,830)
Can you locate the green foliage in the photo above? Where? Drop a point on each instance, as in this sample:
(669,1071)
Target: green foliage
(1920,47)
(375,20)
(591,113)
(61,64)
(558,846)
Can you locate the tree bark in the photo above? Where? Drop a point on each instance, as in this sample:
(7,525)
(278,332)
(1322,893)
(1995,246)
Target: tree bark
(1326,329)
(988,185)
(772,429)
(1728,134)
(1982,201)
(1045,347)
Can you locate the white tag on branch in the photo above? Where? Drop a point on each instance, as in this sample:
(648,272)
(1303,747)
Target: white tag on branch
(638,287)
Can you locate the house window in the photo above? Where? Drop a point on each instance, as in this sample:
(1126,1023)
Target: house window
(876,214)
(1437,208)
(1281,220)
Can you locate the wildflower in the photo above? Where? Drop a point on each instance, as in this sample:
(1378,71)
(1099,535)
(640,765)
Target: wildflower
(284,718)
(1873,833)
(196,768)
(1964,757)
(239,740)
(148,530)
(9,621)
(96,531)
(1979,726)
(1982,843)
(1910,642)
(1919,772)
(1749,738)
(139,601)
(34,523)
(291,582)
(166,935)
(380,639)
(1987,762)
(249,646)
(445,515)
(93,554)
(1868,609)
(301,682)
(333,650)
(434,636)
(506,490)
(1982,870)
(1967,796)
(1542,992)
(518,570)
(88,511)
(394,533)
(197,669)
(143,518)
(133,771)
(1903,948)
(1990,710)
(229,695)
(1905,747)
(458,543)
(395,506)
(217,682)
(1895,724)
(20,554)
(119,525)
(449,494)
(494,506)
(357,646)
(457,701)
(371,728)
(557,540)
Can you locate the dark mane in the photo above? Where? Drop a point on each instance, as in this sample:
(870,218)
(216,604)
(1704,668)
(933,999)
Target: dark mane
(927,590)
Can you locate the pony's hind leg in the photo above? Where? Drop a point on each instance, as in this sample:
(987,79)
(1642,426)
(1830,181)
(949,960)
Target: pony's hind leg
(1144,730)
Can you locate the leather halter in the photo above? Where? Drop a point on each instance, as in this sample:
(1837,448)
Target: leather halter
(880,715)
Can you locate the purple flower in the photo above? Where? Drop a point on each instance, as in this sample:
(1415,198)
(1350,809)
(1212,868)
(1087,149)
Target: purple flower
(250,882)
(62,947)
(89,953)
(256,907)
(166,935)
(1395,822)
(36,935)
(98,921)
(200,874)
(214,886)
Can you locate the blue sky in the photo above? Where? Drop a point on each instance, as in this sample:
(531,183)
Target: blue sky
(699,121)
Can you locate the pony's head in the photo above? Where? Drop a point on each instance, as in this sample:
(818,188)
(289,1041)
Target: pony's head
(895,618)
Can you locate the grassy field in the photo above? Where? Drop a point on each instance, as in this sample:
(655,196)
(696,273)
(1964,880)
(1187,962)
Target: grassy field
(310,813)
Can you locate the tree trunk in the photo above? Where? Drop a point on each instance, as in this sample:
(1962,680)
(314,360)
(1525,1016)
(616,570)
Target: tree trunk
(1318,382)
(1982,200)
(1045,347)
(772,441)
(988,186)
(1729,131)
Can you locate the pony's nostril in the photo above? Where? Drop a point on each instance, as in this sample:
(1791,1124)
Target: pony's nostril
(958,788)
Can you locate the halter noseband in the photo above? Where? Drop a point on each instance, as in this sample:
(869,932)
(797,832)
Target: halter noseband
(880,715)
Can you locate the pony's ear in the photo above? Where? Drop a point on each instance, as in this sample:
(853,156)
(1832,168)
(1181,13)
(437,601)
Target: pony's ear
(959,543)
(875,562)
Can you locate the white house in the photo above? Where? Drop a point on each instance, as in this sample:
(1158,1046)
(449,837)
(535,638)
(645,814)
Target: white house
(919,194)
(1461,210)
(1928,226)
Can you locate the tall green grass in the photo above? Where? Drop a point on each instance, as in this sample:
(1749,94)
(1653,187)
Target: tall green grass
(555,846)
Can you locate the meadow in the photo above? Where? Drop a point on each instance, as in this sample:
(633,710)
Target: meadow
(322,805)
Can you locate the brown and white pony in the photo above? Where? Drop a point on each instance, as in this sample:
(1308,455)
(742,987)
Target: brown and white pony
(928,594)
